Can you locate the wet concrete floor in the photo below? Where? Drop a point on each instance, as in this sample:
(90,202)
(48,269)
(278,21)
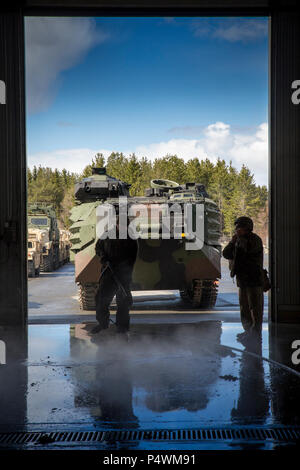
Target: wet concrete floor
(181,369)
(167,376)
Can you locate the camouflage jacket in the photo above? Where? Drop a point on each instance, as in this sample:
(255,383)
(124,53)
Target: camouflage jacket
(246,256)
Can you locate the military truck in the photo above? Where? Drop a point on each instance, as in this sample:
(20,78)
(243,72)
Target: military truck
(35,251)
(161,263)
(64,246)
(42,216)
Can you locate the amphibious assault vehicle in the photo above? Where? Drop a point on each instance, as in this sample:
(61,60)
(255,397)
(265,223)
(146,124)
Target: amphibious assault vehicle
(190,264)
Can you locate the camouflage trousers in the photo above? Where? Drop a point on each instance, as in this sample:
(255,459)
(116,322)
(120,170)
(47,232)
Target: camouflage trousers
(251,301)
(108,288)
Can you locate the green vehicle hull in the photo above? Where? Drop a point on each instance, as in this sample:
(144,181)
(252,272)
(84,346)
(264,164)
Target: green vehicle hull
(162,264)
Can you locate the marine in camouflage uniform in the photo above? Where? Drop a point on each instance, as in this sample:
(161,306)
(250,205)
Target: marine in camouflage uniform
(245,252)
(117,257)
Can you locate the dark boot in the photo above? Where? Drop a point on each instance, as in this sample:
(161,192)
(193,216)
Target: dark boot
(97,329)
(123,336)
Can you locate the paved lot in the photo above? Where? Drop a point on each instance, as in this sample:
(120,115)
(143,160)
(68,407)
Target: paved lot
(53,296)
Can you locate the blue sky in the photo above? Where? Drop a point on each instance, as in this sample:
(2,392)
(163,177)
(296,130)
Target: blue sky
(196,87)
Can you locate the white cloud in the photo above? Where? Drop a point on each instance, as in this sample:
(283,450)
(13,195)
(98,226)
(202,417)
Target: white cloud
(52,46)
(218,130)
(232,29)
(217,136)
(185,148)
(218,140)
(252,150)
(73,160)
(243,30)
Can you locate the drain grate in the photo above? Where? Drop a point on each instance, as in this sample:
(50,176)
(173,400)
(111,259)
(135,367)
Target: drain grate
(286,434)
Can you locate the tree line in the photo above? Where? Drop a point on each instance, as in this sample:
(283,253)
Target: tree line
(235,191)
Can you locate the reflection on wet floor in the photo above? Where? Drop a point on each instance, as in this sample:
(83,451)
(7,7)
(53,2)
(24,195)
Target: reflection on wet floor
(167,376)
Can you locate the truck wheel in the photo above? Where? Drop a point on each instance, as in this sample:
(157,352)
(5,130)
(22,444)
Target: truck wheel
(87,294)
(56,263)
(47,264)
(31,270)
(202,294)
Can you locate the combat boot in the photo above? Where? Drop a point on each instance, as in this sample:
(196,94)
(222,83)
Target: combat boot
(97,329)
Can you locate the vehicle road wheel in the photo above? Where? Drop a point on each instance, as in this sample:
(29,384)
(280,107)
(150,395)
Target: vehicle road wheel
(192,295)
(209,294)
(202,294)
(87,295)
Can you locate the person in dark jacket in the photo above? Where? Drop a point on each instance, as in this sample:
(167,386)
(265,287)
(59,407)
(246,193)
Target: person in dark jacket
(117,258)
(245,253)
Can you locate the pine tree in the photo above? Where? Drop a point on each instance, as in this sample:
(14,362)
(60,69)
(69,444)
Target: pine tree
(134,175)
(219,184)
(169,167)
(98,161)
(193,171)
(29,176)
(34,173)
(246,199)
(117,165)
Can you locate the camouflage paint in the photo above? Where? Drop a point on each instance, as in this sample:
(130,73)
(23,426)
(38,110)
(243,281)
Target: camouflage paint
(161,264)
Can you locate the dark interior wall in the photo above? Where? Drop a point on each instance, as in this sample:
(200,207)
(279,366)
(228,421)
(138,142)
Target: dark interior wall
(13,253)
(285,168)
(284,144)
